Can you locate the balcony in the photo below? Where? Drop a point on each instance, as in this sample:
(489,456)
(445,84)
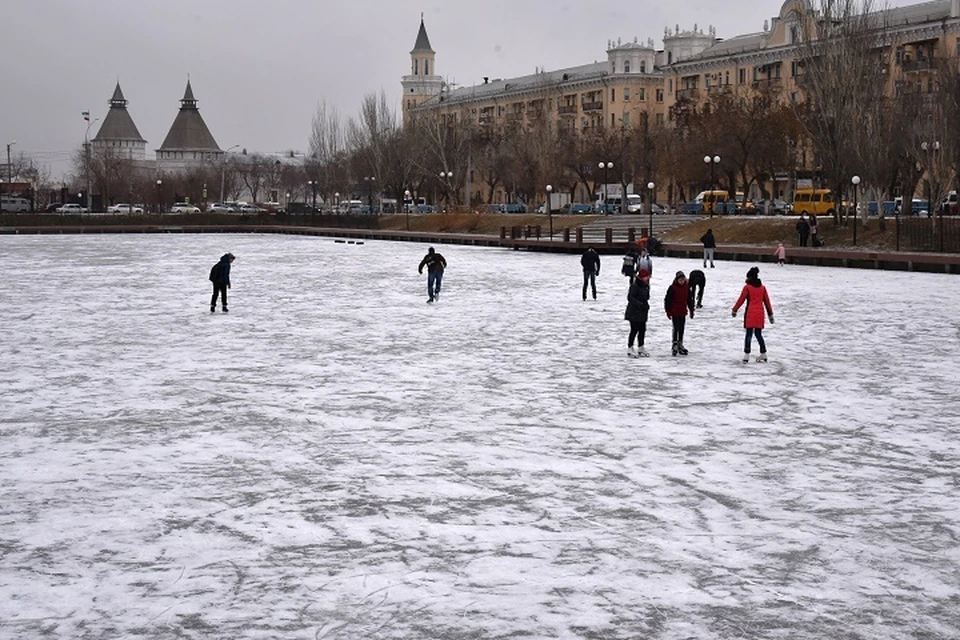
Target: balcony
(515,116)
(567,109)
(915,65)
(775,83)
(593,106)
(692,93)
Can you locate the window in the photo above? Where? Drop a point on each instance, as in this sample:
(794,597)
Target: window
(643,66)
(626,94)
(613,120)
(660,93)
(613,95)
(659,118)
(741,76)
(626,119)
(416,67)
(727,78)
(669,57)
(626,66)
(642,94)
(426,67)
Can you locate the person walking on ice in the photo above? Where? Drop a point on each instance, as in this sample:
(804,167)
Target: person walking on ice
(435,264)
(638,306)
(781,254)
(678,300)
(758,301)
(590,262)
(220,277)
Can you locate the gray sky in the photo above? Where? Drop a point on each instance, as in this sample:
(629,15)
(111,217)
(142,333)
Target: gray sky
(259,69)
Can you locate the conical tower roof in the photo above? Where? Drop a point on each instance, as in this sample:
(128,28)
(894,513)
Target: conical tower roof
(189,131)
(118,125)
(423,42)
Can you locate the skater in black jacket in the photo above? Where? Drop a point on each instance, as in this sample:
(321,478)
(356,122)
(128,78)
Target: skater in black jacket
(590,262)
(698,281)
(638,306)
(220,277)
(435,264)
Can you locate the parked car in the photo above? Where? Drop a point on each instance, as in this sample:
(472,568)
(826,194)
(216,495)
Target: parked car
(575,208)
(125,208)
(249,208)
(183,207)
(778,207)
(52,207)
(658,209)
(71,207)
(220,207)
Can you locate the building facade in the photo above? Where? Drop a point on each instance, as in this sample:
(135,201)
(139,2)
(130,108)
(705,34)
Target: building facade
(189,141)
(118,134)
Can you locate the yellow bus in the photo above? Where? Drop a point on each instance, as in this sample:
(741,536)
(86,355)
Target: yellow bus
(815,201)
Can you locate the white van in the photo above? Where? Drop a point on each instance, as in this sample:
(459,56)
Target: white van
(11,204)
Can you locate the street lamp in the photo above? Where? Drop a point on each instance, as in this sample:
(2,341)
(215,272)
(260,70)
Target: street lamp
(86,159)
(713,162)
(336,201)
(606,166)
(856,181)
(160,197)
(223,170)
(930,149)
(406,206)
(445,178)
(10,170)
(313,188)
(550,209)
(650,187)
(370,180)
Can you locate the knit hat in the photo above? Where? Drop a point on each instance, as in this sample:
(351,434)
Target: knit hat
(680,274)
(753,272)
(643,274)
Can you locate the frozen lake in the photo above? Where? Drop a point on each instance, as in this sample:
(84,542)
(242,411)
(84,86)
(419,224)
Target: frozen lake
(335,458)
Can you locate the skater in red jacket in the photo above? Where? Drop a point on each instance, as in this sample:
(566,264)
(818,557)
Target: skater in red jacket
(678,300)
(755,295)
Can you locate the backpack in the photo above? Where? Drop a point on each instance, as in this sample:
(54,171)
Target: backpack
(629,264)
(216,271)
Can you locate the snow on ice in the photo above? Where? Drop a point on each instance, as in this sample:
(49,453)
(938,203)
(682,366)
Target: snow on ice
(335,458)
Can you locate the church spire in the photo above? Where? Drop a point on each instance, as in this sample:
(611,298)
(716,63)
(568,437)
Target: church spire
(423,42)
(188,101)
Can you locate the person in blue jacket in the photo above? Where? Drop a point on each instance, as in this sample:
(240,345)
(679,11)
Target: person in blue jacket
(220,277)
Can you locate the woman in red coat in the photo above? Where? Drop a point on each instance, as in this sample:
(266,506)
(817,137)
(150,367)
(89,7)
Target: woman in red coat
(755,295)
(677,302)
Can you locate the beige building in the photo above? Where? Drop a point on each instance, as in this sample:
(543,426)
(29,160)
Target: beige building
(638,80)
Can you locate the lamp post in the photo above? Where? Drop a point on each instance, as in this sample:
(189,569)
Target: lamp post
(606,166)
(160,197)
(10,170)
(336,201)
(856,182)
(223,171)
(407,207)
(930,150)
(370,180)
(550,209)
(650,187)
(445,180)
(313,189)
(713,162)
(86,160)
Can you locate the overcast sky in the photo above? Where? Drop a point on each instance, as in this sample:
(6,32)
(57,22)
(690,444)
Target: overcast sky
(260,69)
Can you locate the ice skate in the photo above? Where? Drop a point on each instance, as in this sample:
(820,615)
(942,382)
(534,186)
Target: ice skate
(682,350)
(225,310)
(632,352)
(762,357)
(642,353)
(746,357)
(213,309)
(675,351)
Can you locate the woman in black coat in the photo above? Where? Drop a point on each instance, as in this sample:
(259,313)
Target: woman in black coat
(638,306)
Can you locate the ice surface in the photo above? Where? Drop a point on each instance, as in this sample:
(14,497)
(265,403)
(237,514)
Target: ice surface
(335,458)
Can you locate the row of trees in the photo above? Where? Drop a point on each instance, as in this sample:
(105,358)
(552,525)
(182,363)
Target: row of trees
(855,116)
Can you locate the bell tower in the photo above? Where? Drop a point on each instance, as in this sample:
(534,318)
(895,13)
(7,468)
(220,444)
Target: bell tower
(422,83)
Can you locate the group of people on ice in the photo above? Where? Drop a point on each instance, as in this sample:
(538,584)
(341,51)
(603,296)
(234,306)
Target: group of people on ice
(684,296)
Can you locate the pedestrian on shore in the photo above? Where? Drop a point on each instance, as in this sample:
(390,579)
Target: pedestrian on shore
(638,306)
(814,238)
(220,277)
(698,282)
(709,247)
(677,302)
(435,264)
(781,253)
(803,230)
(590,261)
(758,301)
